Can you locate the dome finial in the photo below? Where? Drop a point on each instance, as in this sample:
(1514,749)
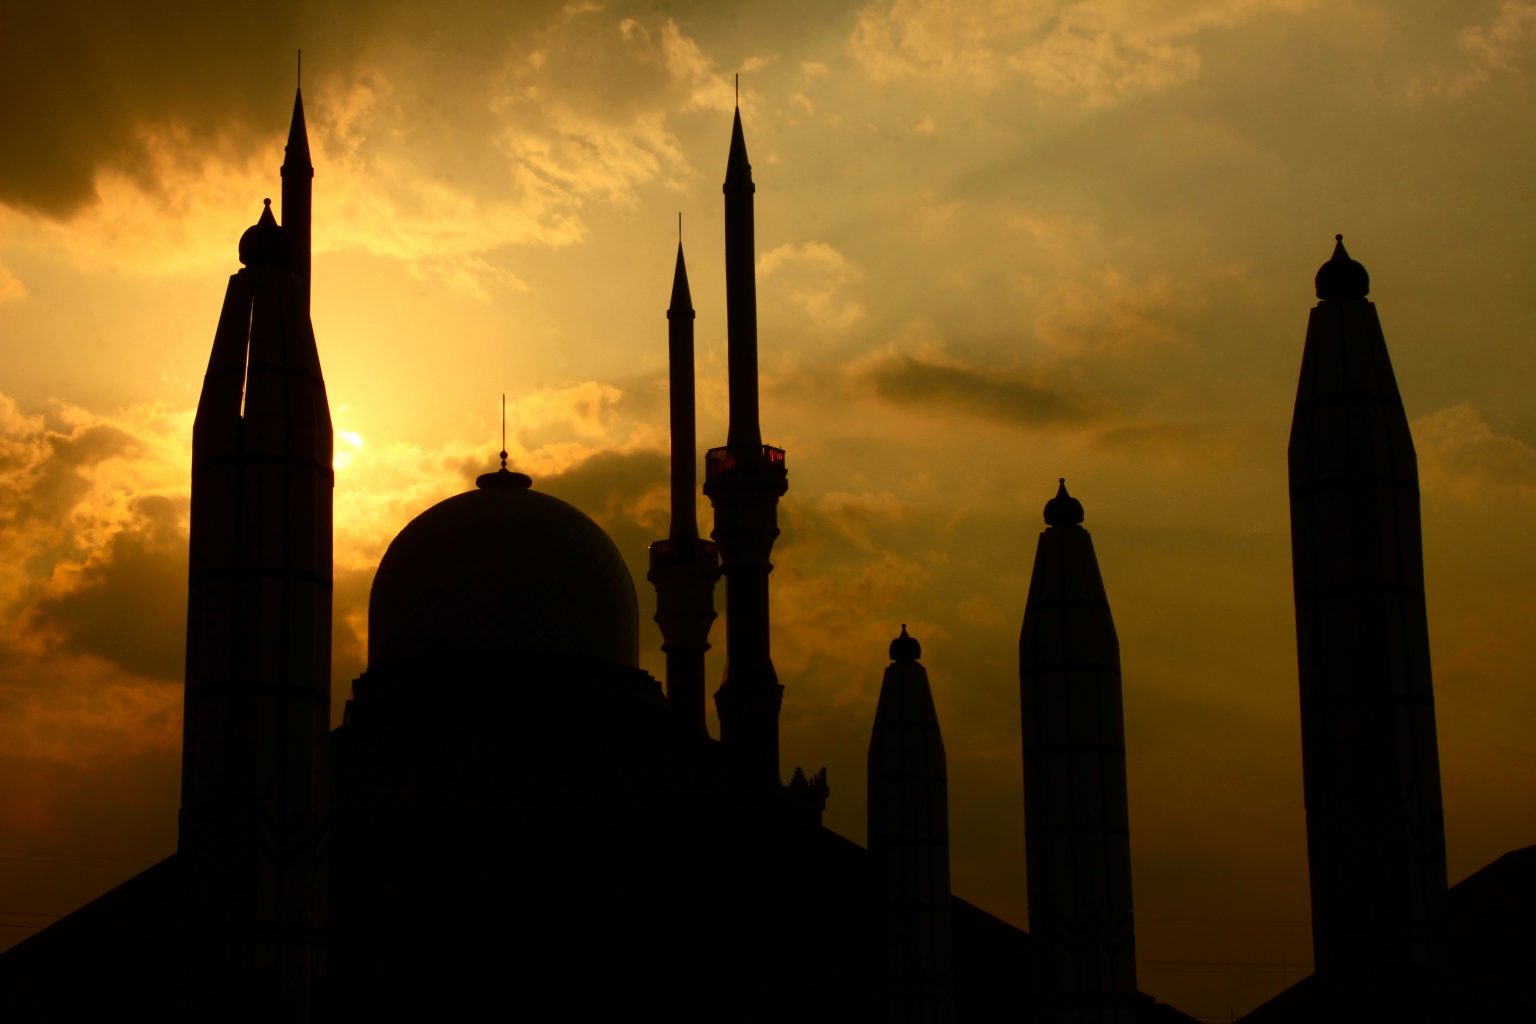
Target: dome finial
(1341,278)
(1063,510)
(503,477)
(905,648)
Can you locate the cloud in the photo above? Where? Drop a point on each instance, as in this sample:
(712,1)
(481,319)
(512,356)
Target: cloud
(10,285)
(128,603)
(1461,456)
(815,278)
(1014,396)
(130,167)
(1105,310)
(86,80)
(1094,53)
(1496,48)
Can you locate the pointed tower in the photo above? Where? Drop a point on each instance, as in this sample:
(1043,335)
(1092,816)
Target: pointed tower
(744,481)
(684,567)
(1076,822)
(1370,765)
(254,791)
(298,192)
(909,847)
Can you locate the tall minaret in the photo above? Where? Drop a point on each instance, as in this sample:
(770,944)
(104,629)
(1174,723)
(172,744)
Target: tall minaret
(254,792)
(684,567)
(909,847)
(298,191)
(1076,822)
(744,481)
(1370,767)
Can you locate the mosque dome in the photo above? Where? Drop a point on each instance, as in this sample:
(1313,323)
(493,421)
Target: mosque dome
(499,572)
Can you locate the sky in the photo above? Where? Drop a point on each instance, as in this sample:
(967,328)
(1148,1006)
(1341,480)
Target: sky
(998,243)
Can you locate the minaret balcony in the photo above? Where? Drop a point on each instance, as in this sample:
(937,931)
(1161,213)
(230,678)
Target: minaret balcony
(721,460)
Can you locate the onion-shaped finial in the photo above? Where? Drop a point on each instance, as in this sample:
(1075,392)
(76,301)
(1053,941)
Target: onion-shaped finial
(264,244)
(1063,510)
(905,648)
(1341,277)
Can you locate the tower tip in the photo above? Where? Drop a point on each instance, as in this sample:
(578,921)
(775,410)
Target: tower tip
(1063,510)
(1341,278)
(905,647)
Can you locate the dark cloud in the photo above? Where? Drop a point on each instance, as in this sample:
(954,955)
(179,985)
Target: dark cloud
(87,81)
(1144,436)
(49,483)
(1019,397)
(131,604)
(623,491)
(83,80)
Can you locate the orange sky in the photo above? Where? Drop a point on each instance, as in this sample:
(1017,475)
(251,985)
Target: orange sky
(998,243)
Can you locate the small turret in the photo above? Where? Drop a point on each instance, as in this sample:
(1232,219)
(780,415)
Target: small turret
(909,847)
(1076,822)
(1369,756)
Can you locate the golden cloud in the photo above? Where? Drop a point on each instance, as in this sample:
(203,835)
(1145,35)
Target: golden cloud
(1094,53)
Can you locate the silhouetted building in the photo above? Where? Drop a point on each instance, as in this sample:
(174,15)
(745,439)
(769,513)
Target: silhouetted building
(1370,766)
(514,821)
(1488,964)
(1076,820)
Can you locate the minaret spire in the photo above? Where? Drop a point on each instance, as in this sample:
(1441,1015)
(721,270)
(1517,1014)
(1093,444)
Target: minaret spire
(298,189)
(683,567)
(1369,757)
(1076,824)
(744,481)
(744,431)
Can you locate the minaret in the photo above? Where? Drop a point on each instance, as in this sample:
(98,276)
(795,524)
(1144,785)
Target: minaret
(1370,766)
(254,793)
(744,481)
(1076,822)
(298,190)
(684,567)
(909,847)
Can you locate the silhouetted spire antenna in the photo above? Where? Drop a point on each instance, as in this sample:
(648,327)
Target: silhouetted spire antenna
(503,477)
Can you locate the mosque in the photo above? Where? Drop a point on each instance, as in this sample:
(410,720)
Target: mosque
(563,839)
